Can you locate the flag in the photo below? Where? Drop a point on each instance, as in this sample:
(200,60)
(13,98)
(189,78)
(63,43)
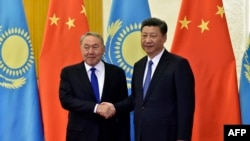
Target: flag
(20,117)
(123,46)
(66,22)
(245,86)
(202,37)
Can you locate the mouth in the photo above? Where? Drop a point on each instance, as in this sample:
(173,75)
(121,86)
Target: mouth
(148,46)
(90,56)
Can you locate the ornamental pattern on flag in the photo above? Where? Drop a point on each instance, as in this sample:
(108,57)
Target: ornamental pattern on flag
(245,86)
(123,47)
(20,117)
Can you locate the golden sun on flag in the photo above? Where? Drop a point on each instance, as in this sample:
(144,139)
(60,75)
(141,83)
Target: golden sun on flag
(16,52)
(128,47)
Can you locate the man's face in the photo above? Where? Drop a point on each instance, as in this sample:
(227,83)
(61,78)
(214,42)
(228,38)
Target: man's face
(152,40)
(92,50)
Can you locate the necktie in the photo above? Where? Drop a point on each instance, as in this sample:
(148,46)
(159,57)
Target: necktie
(94,83)
(148,78)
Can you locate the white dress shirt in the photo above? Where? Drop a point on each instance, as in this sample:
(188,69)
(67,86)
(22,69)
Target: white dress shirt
(100,73)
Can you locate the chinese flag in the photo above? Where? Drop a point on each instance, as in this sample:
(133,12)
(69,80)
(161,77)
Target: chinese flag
(202,37)
(66,22)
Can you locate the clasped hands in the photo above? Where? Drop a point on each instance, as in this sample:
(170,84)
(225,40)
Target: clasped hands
(106,109)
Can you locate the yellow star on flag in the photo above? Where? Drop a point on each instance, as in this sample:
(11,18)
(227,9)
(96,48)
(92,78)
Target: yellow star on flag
(54,19)
(83,10)
(220,11)
(203,26)
(70,23)
(184,23)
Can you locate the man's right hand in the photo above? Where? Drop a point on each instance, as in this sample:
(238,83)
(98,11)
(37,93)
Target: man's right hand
(106,109)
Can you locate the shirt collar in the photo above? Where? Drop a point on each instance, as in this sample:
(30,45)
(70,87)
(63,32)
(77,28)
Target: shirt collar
(99,66)
(157,58)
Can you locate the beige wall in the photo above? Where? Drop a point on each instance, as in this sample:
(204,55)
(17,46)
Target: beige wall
(237,12)
(238,24)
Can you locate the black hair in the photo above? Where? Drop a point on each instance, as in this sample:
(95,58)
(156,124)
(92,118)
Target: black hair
(156,22)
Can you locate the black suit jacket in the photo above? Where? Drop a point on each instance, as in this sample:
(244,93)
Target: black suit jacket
(77,96)
(166,113)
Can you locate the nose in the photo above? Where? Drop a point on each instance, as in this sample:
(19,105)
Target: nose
(148,39)
(91,50)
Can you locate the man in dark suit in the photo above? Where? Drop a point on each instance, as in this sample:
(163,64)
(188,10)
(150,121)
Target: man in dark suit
(163,111)
(163,89)
(94,118)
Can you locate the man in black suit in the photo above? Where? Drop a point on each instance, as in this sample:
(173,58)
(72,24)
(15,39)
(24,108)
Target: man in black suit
(164,97)
(94,118)
(163,111)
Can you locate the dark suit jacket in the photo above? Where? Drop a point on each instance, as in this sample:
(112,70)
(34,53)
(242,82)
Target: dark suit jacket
(166,113)
(77,96)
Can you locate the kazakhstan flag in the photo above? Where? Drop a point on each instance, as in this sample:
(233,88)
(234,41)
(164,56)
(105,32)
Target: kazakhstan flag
(123,47)
(245,86)
(123,44)
(20,117)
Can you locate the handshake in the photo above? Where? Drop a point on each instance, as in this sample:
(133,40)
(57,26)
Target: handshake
(106,110)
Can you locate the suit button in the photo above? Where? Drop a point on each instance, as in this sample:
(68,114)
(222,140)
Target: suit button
(142,107)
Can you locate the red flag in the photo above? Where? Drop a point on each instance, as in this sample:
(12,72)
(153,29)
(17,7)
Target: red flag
(202,37)
(66,22)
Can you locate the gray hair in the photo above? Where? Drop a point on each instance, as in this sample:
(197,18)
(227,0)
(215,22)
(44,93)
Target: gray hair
(95,34)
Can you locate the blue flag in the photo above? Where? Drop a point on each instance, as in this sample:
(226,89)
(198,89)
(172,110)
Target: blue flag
(245,86)
(20,117)
(123,46)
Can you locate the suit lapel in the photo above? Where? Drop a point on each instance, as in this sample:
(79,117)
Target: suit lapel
(139,77)
(161,67)
(83,75)
(108,78)
(106,81)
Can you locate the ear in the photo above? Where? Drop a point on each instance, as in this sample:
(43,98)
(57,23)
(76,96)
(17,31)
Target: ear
(164,38)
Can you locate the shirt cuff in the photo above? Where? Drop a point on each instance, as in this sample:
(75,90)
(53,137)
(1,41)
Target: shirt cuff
(95,108)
